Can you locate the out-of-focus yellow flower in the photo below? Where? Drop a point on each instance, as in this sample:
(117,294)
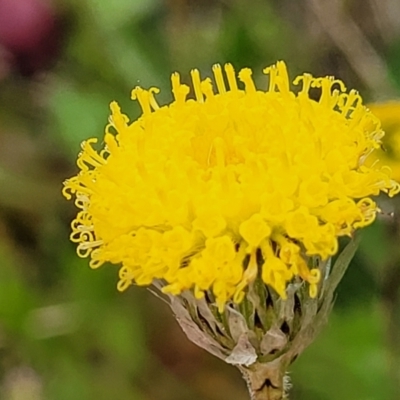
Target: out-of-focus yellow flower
(225,185)
(389,115)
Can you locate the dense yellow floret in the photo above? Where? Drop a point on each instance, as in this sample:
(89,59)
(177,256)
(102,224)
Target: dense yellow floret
(189,191)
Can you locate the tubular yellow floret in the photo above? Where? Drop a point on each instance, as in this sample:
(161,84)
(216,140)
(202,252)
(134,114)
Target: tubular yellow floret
(179,91)
(219,79)
(153,102)
(207,88)
(230,74)
(245,77)
(142,96)
(282,78)
(305,79)
(197,85)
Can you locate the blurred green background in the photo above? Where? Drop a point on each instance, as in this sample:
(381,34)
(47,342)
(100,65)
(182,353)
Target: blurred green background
(65,332)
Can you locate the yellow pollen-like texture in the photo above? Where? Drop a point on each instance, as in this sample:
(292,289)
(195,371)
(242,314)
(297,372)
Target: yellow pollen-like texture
(228,183)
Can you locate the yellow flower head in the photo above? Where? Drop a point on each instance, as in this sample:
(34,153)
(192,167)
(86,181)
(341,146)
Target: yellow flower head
(389,114)
(229,183)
